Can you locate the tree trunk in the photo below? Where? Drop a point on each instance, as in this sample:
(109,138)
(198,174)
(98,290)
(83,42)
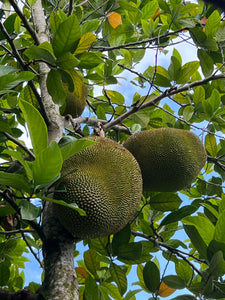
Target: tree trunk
(60,281)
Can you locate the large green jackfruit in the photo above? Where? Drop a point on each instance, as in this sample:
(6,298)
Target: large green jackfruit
(106,182)
(170,159)
(74,103)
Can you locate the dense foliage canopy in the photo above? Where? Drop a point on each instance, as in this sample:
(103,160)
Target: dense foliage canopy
(131,55)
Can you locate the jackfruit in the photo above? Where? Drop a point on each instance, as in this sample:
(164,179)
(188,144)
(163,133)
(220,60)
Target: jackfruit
(103,179)
(74,103)
(170,159)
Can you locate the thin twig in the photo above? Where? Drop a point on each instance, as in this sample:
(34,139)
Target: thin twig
(17,231)
(25,22)
(11,138)
(166,93)
(179,253)
(31,250)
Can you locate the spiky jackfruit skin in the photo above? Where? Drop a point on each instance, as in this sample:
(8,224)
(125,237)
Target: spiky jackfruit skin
(170,159)
(107,184)
(74,104)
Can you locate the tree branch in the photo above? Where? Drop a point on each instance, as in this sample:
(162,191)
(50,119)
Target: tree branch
(179,253)
(11,138)
(167,93)
(129,45)
(25,21)
(26,68)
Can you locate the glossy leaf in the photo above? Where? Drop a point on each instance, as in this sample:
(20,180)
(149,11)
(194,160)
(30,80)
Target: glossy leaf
(151,276)
(174,282)
(73,146)
(28,210)
(38,134)
(92,262)
(165,202)
(16,181)
(47,164)
(85,42)
(67,35)
(119,277)
(57,91)
(179,214)
(203,225)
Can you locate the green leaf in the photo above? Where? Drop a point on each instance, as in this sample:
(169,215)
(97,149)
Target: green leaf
(38,52)
(205,228)
(91,289)
(47,164)
(184,271)
(188,112)
(10,81)
(67,61)
(174,282)
(165,202)
(92,262)
(184,297)
(130,251)
(4,272)
(4,70)
(70,205)
(206,62)
(66,37)
(85,42)
(115,97)
(196,240)
(18,156)
(119,277)
(57,91)
(107,288)
(16,181)
(220,228)
(212,24)
(6,210)
(28,210)
(151,276)
(175,65)
(74,146)
(199,95)
(220,34)
(187,71)
(179,214)
(89,60)
(149,9)
(210,145)
(120,238)
(214,247)
(217,264)
(38,134)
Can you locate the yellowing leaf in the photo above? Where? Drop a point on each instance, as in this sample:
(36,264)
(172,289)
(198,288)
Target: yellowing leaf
(82,271)
(114,19)
(165,290)
(157,13)
(85,42)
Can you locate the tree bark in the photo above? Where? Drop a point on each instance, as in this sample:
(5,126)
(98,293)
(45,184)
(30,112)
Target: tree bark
(60,281)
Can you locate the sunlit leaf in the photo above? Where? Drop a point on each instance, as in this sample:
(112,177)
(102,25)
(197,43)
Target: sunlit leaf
(85,42)
(47,164)
(38,134)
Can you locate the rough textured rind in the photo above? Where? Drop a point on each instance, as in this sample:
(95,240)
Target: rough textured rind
(170,159)
(75,105)
(106,183)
